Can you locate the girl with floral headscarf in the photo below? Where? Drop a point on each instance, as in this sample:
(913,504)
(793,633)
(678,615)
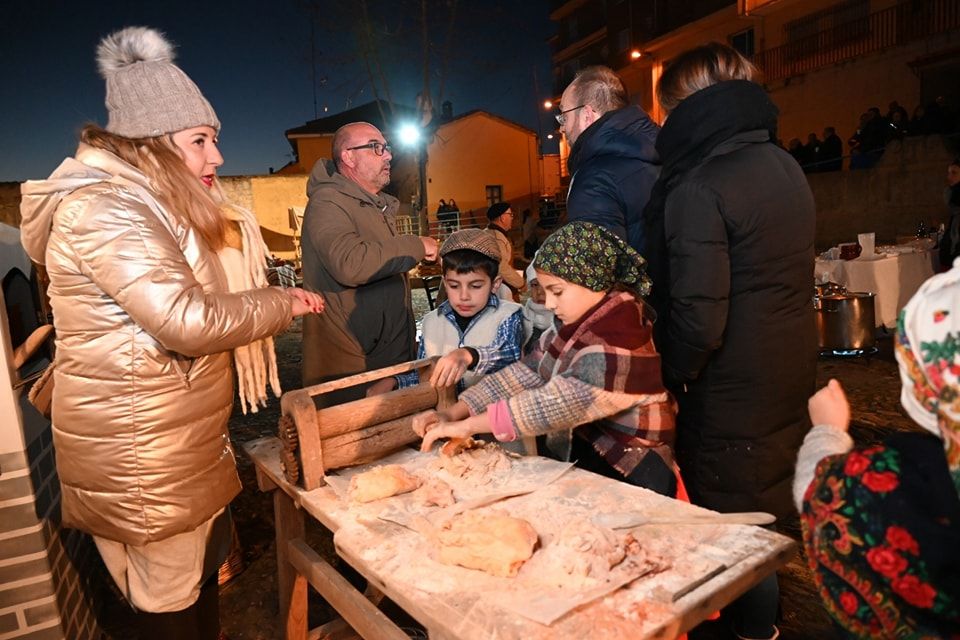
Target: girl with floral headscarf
(881,524)
(592,385)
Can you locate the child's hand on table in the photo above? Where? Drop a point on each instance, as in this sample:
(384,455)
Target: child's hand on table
(458,429)
(450,368)
(423,422)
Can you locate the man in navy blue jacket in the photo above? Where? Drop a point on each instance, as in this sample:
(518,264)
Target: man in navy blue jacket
(613,163)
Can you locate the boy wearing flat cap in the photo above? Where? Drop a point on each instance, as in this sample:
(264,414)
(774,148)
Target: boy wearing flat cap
(475,331)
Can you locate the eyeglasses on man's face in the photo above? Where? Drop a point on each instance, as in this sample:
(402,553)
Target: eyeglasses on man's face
(379,148)
(561,118)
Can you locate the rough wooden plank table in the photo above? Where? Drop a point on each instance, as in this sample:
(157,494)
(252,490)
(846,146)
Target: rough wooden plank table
(712,566)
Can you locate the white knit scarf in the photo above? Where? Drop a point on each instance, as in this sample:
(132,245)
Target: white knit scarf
(255,363)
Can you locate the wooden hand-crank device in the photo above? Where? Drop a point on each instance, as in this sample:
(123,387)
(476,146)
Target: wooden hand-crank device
(316,441)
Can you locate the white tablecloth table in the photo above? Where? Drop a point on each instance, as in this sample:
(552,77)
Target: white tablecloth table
(893,278)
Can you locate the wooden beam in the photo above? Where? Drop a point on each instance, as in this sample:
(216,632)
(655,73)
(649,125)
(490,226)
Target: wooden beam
(299,405)
(367,376)
(366,412)
(291,584)
(366,445)
(359,612)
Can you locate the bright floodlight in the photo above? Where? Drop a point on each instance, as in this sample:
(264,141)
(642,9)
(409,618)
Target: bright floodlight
(409,134)
(548,104)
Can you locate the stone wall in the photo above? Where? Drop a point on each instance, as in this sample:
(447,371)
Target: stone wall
(10,203)
(905,187)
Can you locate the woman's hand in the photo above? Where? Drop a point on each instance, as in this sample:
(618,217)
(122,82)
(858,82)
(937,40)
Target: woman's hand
(459,429)
(450,368)
(829,406)
(305,302)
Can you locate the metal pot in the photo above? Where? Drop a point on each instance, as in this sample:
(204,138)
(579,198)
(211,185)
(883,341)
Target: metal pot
(845,321)
(822,289)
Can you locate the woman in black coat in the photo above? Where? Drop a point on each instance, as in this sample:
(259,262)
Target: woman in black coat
(731,226)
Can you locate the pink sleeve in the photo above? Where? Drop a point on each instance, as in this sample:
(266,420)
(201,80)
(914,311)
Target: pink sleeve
(501,424)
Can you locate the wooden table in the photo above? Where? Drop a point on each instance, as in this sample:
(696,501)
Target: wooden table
(892,278)
(632,611)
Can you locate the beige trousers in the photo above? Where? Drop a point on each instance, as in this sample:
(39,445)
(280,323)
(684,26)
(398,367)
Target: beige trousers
(165,576)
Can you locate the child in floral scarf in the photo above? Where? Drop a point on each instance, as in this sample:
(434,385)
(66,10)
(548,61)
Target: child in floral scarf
(592,386)
(881,524)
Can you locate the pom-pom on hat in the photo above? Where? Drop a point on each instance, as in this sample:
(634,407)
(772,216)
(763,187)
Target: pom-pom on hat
(478,240)
(497,209)
(148,95)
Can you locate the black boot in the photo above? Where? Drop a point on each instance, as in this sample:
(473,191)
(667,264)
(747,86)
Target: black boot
(181,625)
(208,610)
(199,621)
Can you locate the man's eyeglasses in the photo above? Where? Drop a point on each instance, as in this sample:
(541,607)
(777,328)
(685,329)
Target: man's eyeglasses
(379,148)
(561,118)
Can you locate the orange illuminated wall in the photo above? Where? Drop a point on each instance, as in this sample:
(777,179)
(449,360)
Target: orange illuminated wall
(311,148)
(477,150)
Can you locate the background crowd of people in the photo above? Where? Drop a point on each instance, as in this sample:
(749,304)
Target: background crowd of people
(873,132)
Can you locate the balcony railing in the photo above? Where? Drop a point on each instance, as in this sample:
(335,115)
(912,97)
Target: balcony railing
(898,25)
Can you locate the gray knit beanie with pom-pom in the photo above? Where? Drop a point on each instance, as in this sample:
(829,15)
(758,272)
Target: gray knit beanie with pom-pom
(148,95)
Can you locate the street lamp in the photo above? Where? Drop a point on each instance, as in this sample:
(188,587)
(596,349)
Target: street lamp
(548,104)
(411,135)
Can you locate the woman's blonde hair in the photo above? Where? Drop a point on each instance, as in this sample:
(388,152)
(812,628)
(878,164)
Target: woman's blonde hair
(700,68)
(180,191)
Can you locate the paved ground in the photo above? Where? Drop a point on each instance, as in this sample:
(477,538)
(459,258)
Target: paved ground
(249,602)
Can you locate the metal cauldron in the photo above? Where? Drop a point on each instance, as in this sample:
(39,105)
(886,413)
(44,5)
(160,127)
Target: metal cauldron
(845,321)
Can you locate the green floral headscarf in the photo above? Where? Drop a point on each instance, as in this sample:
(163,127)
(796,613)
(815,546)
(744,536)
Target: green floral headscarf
(588,255)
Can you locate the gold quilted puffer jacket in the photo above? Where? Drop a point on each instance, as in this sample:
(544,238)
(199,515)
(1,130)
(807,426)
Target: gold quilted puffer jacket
(145,325)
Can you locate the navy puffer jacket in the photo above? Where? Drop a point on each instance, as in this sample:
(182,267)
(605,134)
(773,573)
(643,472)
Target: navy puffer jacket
(613,166)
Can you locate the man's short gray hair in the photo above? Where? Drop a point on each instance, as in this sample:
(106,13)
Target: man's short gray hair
(599,87)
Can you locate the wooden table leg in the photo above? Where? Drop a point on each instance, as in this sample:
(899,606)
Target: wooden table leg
(291,585)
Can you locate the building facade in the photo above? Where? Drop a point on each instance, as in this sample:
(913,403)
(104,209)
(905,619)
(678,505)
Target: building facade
(824,62)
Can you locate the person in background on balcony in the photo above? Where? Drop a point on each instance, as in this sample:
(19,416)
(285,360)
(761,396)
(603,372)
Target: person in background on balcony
(447,217)
(157,293)
(795,149)
(831,151)
(870,139)
(919,123)
(353,255)
(501,219)
(950,242)
(613,163)
(730,247)
(811,154)
(893,109)
(897,125)
(881,523)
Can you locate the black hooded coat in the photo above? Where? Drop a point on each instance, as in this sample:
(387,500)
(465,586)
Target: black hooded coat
(731,258)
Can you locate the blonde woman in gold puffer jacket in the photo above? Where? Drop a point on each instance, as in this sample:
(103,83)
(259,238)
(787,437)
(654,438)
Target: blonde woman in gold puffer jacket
(133,239)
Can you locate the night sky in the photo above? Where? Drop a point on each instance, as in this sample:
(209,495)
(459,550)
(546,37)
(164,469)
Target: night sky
(252,60)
